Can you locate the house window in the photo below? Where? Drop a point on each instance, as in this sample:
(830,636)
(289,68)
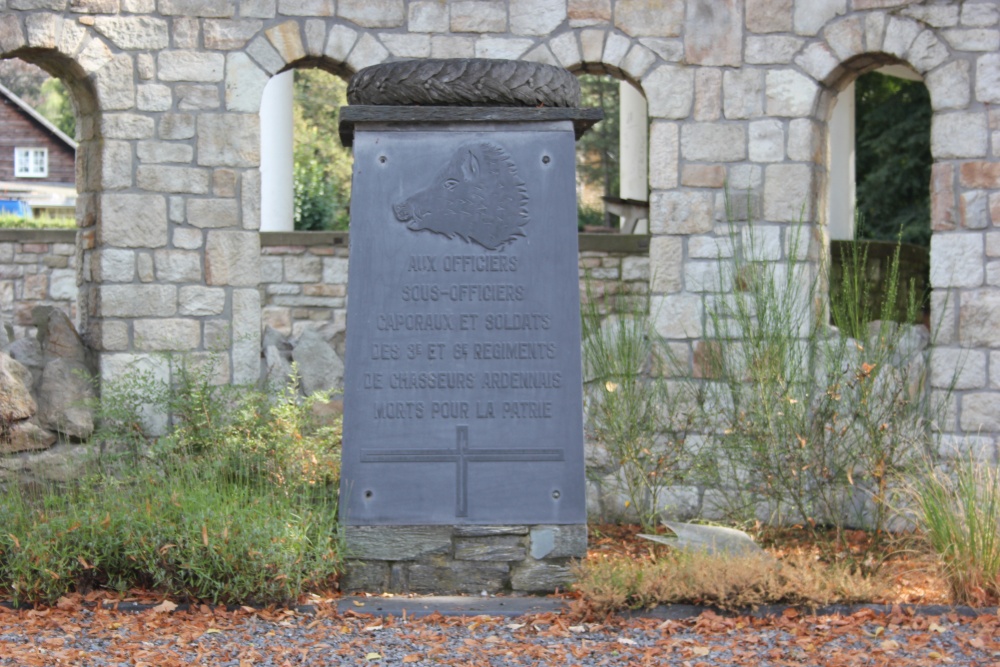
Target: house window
(31,162)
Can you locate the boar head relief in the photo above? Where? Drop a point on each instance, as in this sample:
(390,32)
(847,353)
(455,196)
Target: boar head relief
(478,198)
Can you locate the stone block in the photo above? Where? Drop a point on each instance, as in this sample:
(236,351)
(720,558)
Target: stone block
(187,180)
(245,83)
(138,301)
(638,61)
(537,577)
(260,49)
(943,209)
(767,141)
(927,52)
(769,15)
(707,94)
(820,62)
(307,7)
(743,93)
(230,34)
(177,266)
(177,126)
(976,39)
(678,315)
(368,576)
(788,192)
(899,35)
(669,91)
(260,9)
(973,209)
(133,220)
(407,46)
(286,38)
(315,30)
(115,83)
(536,17)
(950,85)
(116,164)
(635,269)
(246,341)
(496,549)
(670,50)
(457,577)
(680,213)
(220,9)
(368,51)
(846,37)
(428,16)
(958,369)
(250,199)
(563,541)
(189,65)
(804,140)
(713,32)
(978,316)
(666,262)
(583,13)
(809,16)
(304,269)
(488,531)
(373,13)
(979,447)
(664,153)
(198,301)
(335,270)
(615,47)
(957,260)
(164,334)
(212,213)
(447,46)
(592,45)
(771,50)
(198,97)
(396,543)
(478,16)
(980,412)
(790,93)
(703,175)
(641,18)
(229,140)
(231,258)
(566,49)
(713,142)
(504,48)
(144,267)
(163,151)
(980,15)
(115,265)
(134,32)
(153,97)
(988,78)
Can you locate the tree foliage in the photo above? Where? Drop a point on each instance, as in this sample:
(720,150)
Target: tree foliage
(322,173)
(893,158)
(45,94)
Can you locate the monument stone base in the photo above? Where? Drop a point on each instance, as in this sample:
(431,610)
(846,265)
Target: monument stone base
(462,559)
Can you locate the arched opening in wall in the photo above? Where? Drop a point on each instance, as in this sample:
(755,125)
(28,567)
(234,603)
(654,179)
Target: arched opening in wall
(878,201)
(612,184)
(305,170)
(39,186)
(305,187)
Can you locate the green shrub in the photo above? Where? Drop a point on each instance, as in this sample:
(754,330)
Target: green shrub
(8,221)
(236,504)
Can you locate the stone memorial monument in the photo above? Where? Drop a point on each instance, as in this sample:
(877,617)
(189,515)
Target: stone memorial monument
(463,434)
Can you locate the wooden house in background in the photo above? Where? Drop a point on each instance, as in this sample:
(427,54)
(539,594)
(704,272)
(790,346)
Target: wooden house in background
(37,159)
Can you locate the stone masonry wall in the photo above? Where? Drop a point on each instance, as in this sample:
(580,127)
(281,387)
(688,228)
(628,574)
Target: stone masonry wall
(37,268)
(738,91)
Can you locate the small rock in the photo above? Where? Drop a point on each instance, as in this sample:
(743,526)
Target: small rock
(65,395)
(58,337)
(16,402)
(319,366)
(24,436)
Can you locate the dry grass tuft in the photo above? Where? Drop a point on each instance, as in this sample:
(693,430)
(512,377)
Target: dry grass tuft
(616,583)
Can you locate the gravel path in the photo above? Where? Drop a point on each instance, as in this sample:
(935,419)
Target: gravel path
(89,637)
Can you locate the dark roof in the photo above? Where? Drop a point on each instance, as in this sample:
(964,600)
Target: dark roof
(42,120)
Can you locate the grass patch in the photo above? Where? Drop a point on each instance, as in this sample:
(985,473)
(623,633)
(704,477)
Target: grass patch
(960,515)
(236,504)
(8,221)
(726,582)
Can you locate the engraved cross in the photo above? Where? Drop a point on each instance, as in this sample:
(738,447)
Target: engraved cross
(462,455)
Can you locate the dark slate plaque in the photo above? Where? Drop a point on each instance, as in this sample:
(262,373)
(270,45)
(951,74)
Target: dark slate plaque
(462,400)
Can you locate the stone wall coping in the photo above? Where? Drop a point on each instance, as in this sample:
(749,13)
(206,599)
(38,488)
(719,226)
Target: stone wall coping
(363,113)
(621,243)
(37,236)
